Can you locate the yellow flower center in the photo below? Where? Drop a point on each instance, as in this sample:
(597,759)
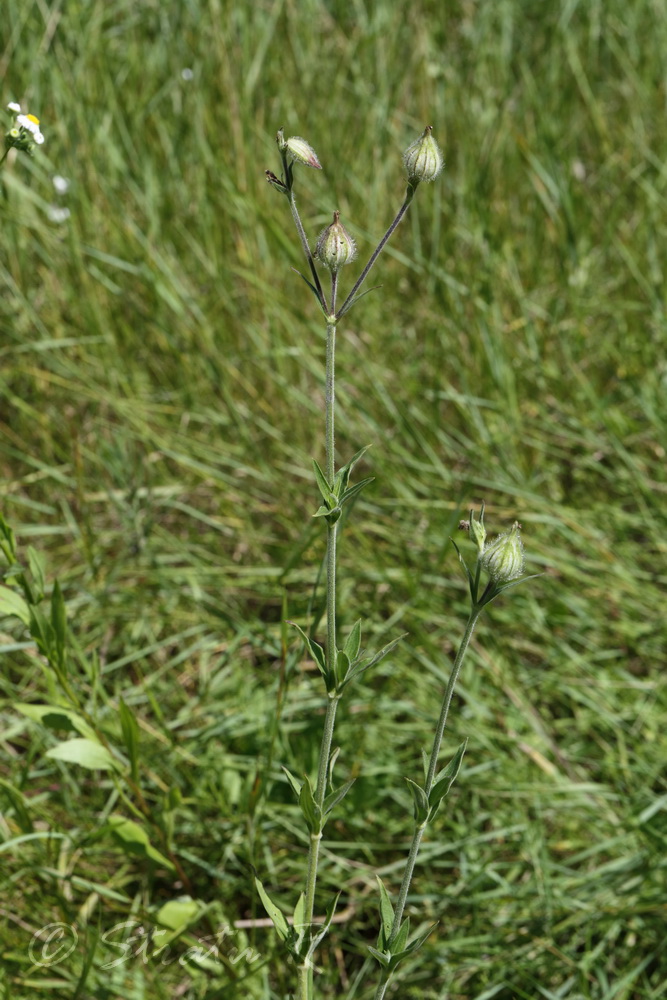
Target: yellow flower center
(33,119)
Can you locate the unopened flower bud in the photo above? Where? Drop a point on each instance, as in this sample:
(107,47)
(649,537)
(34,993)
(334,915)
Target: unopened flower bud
(423,159)
(503,559)
(301,152)
(335,246)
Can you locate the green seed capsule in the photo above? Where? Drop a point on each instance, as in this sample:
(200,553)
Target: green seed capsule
(423,159)
(335,246)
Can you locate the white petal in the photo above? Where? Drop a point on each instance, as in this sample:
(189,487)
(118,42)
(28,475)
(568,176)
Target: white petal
(39,138)
(13,106)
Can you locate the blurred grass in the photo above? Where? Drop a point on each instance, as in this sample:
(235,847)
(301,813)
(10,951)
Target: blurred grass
(161,387)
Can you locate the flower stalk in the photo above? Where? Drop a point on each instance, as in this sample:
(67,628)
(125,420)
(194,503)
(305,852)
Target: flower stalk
(502,560)
(420,826)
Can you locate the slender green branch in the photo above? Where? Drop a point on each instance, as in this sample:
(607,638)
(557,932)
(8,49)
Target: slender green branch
(409,195)
(334,290)
(447,698)
(430,780)
(306,249)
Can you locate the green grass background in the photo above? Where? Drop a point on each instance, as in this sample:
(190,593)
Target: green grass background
(161,380)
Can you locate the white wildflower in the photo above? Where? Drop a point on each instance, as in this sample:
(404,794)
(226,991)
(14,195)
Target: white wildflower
(57,213)
(30,124)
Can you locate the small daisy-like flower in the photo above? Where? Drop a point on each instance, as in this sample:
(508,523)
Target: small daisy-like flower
(25,133)
(60,184)
(29,122)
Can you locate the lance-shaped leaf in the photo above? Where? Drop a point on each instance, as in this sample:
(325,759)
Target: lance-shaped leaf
(87,753)
(56,717)
(11,603)
(329,914)
(426,760)
(342,477)
(353,490)
(495,590)
(342,666)
(337,796)
(420,801)
(383,958)
(412,947)
(309,807)
(399,941)
(353,642)
(316,651)
(348,305)
(277,916)
(332,762)
(328,494)
(299,925)
(473,582)
(296,785)
(309,283)
(42,631)
(135,841)
(445,780)
(331,515)
(365,663)
(386,915)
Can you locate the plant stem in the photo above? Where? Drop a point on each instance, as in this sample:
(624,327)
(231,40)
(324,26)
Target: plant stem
(430,781)
(304,990)
(330,404)
(409,195)
(305,982)
(306,249)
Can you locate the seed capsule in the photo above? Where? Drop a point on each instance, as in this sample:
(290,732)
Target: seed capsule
(423,159)
(302,152)
(503,559)
(335,246)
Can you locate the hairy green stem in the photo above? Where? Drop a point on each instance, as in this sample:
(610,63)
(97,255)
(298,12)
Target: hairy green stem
(304,990)
(306,249)
(430,780)
(409,195)
(305,971)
